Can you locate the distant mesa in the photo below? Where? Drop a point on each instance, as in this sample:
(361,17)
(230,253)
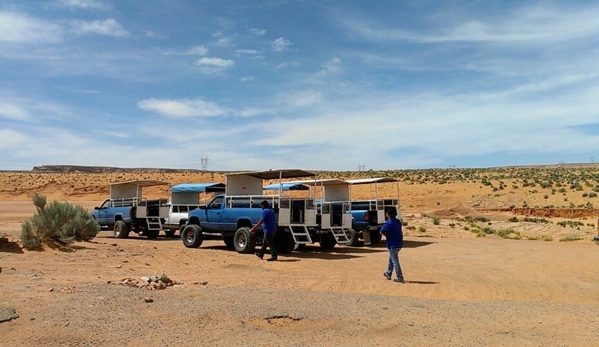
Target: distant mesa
(99,169)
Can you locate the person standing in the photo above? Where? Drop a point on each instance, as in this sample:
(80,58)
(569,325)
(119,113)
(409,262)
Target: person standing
(269,227)
(394,235)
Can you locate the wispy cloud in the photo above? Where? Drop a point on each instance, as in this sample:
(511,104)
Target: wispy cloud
(12,111)
(21,28)
(211,65)
(83,4)
(108,27)
(258,31)
(280,44)
(222,40)
(535,24)
(182,108)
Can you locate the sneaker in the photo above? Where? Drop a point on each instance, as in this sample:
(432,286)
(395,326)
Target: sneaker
(399,280)
(259,255)
(387,276)
(271,259)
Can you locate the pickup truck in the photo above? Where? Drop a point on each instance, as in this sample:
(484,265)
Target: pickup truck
(231,215)
(127,210)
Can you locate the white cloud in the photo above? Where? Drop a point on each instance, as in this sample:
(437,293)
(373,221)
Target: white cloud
(258,31)
(19,28)
(248,51)
(222,40)
(182,108)
(197,50)
(10,138)
(246,78)
(280,44)
(108,27)
(302,98)
(84,4)
(211,65)
(12,111)
(331,66)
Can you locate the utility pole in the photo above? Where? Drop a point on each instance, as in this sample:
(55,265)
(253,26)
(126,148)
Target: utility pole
(361,167)
(204,163)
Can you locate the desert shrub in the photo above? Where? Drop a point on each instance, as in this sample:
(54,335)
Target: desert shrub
(404,223)
(536,220)
(57,222)
(513,220)
(411,227)
(421,229)
(547,238)
(436,220)
(569,239)
(452,225)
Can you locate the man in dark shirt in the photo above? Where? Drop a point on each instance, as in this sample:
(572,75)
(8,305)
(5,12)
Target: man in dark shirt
(394,235)
(269,227)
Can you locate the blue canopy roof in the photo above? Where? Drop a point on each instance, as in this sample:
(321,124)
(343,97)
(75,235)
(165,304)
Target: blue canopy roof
(198,187)
(286,186)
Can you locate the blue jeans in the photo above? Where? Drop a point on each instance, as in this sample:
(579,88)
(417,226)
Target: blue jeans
(394,263)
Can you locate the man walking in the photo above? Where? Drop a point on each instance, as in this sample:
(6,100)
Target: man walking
(269,227)
(394,235)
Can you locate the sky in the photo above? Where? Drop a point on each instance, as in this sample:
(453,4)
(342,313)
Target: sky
(315,85)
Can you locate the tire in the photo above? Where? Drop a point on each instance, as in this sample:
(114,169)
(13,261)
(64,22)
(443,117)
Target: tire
(192,236)
(229,240)
(299,247)
(244,241)
(375,236)
(151,234)
(121,230)
(327,241)
(354,240)
(181,228)
(285,245)
(169,232)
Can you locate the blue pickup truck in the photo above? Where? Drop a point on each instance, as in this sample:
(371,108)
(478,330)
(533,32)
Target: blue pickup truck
(231,215)
(127,210)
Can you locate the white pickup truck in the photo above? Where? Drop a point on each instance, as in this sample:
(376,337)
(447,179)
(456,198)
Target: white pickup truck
(185,197)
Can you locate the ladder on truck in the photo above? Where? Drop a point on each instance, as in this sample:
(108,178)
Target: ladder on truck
(340,235)
(154,224)
(300,234)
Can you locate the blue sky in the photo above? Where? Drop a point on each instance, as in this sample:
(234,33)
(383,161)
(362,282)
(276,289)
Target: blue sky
(317,85)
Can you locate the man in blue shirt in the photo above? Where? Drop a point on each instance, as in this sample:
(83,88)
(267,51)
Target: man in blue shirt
(269,227)
(394,235)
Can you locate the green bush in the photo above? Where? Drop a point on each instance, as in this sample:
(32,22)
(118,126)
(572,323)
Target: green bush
(57,222)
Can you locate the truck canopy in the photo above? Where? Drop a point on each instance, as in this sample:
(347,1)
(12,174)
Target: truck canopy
(131,189)
(189,193)
(286,186)
(252,183)
(198,188)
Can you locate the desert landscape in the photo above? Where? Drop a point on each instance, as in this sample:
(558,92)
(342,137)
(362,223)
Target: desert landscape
(492,257)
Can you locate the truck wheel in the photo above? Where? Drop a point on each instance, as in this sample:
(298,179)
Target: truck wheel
(285,245)
(354,240)
(244,241)
(151,234)
(192,236)
(229,240)
(375,236)
(327,241)
(121,230)
(169,232)
(181,228)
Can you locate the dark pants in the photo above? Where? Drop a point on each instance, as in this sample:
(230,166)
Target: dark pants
(268,240)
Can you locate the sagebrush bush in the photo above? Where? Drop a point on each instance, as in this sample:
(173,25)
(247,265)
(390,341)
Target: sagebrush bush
(57,221)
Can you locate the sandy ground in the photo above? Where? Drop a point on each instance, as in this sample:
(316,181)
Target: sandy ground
(461,290)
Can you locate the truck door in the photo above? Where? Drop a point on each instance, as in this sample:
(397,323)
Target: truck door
(103,212)
(214,214)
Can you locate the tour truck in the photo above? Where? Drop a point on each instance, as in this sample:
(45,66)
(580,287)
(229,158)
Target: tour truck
(186,197)
(127,210)
(231,215)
